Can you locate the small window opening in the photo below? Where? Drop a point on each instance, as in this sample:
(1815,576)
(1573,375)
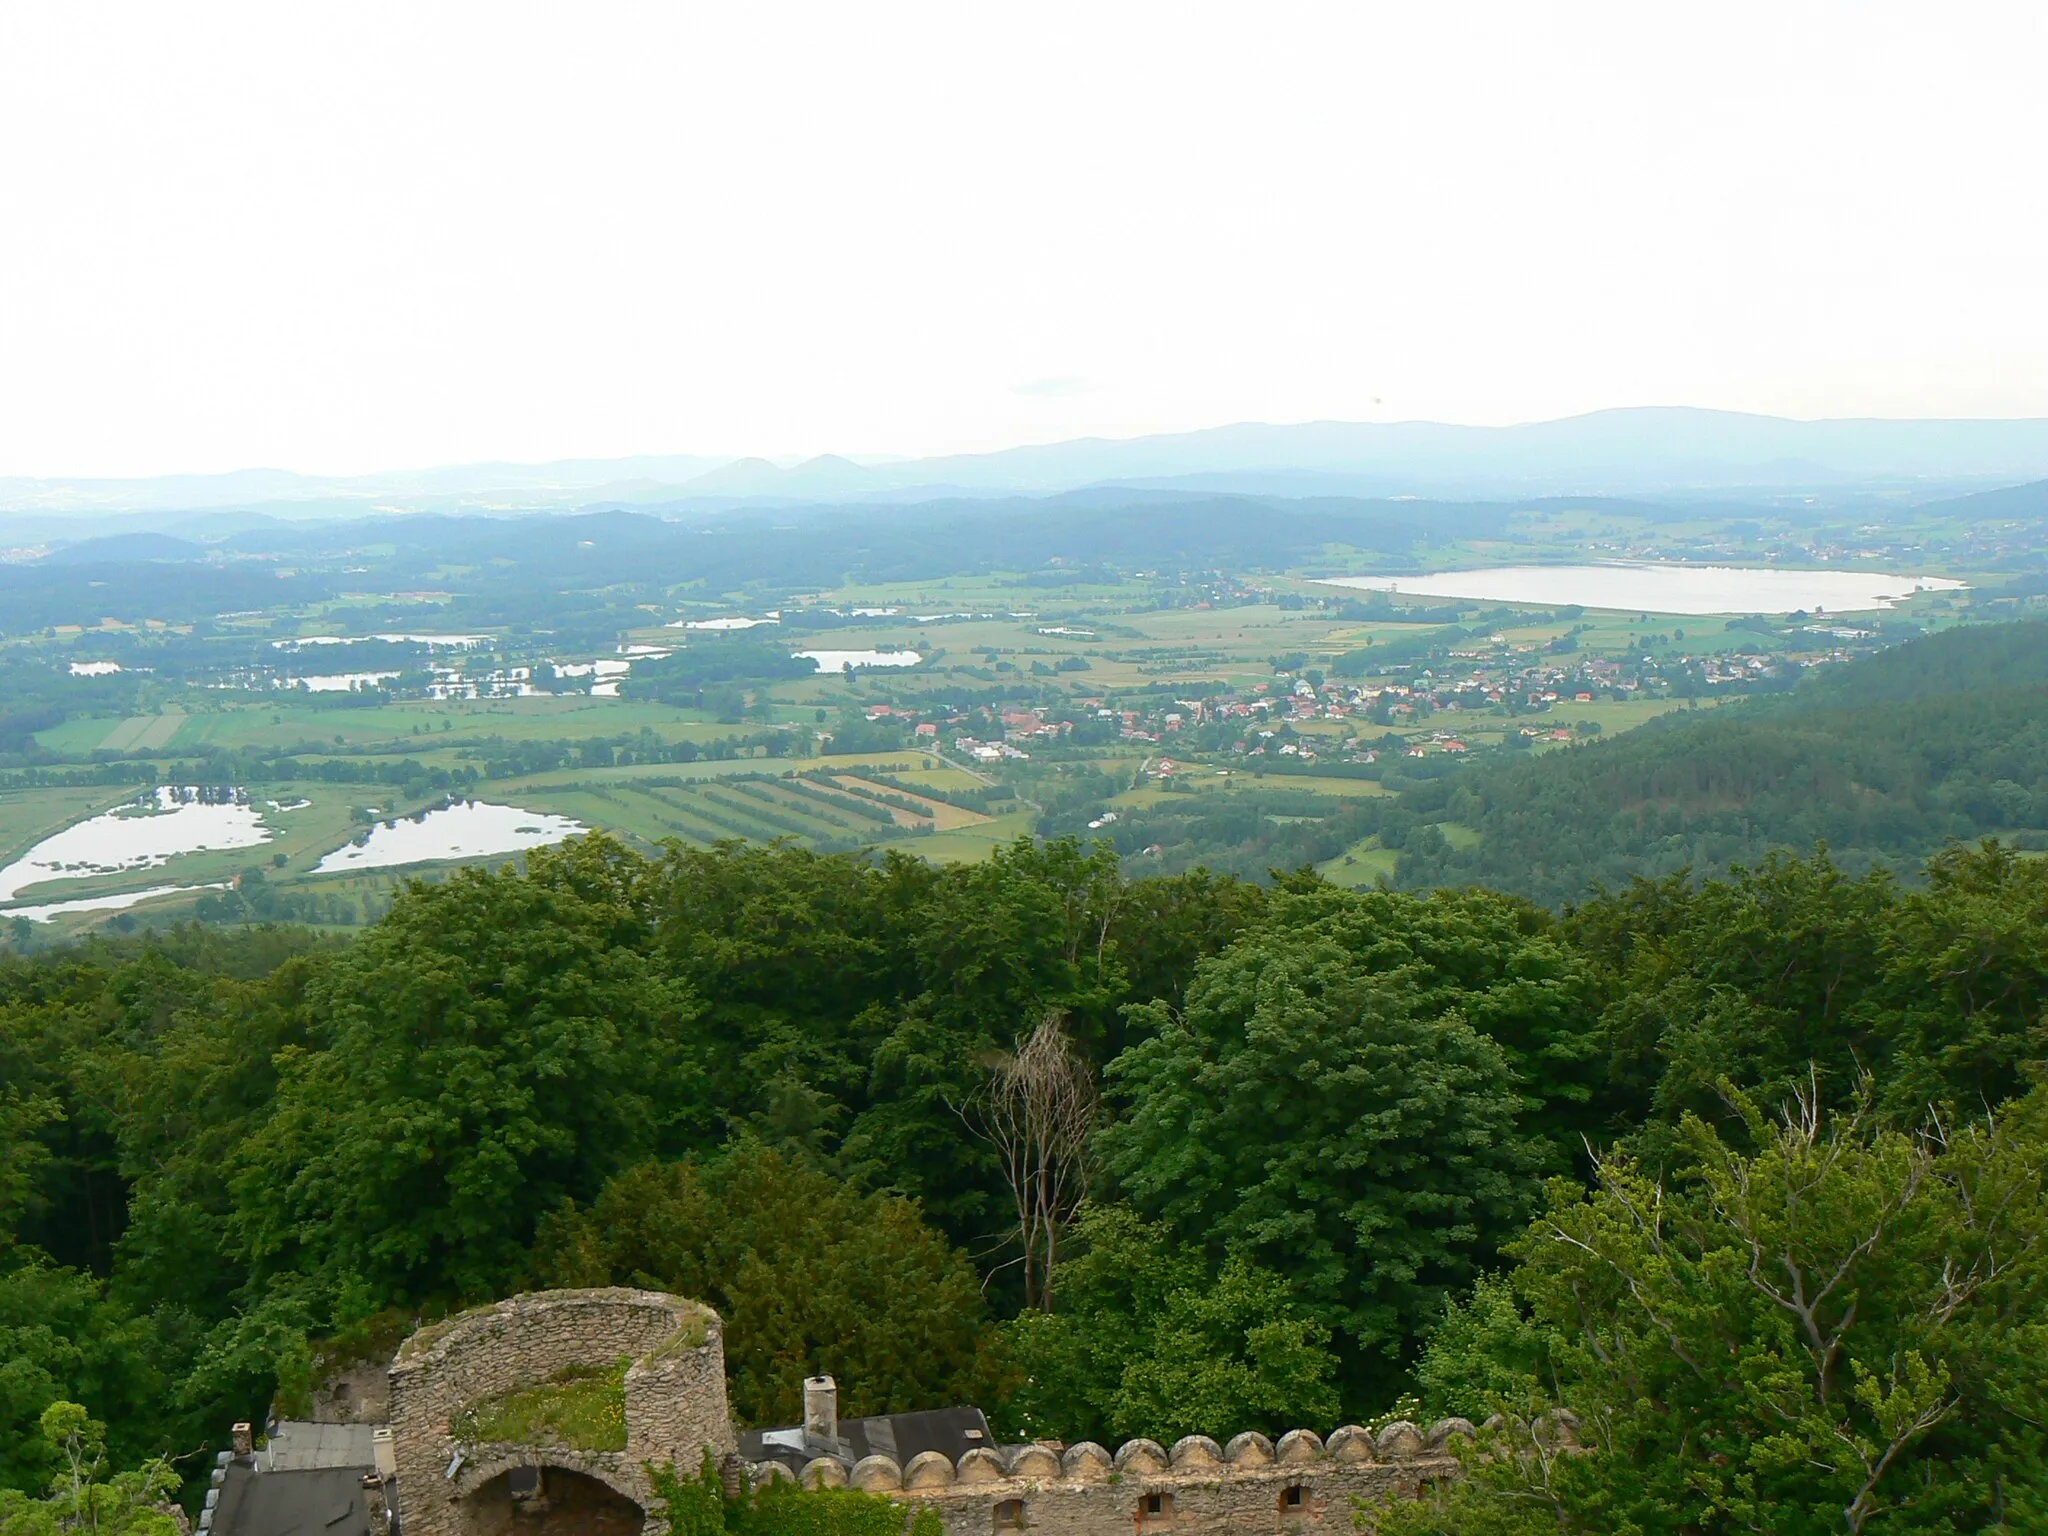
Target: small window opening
(1158,1506)
(1010,1515)
(1290,1499)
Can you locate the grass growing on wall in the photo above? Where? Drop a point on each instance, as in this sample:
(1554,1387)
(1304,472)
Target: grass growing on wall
(581,1406)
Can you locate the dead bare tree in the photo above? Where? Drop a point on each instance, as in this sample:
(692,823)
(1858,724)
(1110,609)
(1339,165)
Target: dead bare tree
(1037,1107)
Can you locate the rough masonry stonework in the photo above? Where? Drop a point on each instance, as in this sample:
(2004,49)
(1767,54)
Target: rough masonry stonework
(676,1411)
(675,1398)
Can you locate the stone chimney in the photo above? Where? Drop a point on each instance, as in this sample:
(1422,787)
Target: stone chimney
(821,1411)
(245,1439)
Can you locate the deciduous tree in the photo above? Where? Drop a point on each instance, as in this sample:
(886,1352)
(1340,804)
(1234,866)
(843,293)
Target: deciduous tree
(1318,1116)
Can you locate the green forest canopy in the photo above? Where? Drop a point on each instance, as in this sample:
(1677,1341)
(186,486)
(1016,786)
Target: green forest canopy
(229,1158)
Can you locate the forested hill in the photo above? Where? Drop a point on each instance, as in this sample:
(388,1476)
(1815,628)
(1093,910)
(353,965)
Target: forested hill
(1971,660)
(1884,760)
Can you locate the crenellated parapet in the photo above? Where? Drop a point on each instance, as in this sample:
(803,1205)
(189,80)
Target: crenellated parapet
(1250,1483)
(558,1405)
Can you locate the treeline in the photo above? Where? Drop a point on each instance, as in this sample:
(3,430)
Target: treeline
(1323,1149)
(516,759)
(489,759)
(710,659)
(1247,833)
(46,593)
(36,695)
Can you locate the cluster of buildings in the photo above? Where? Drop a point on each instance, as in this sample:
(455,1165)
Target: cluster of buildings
(1529,688)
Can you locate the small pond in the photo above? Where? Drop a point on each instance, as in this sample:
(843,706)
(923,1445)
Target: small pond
(839,661)
(148,832)
(334,682)
(463,829)
(48,911)
(438,642)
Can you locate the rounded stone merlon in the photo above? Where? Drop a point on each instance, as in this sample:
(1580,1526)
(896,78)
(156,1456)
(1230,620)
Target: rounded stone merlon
(980,1465)
(1250,1449)
(1087,1462)
(1036,1461)
(1139,1457)
(1443,1431)
(1350,1444)
(763,1472)
(1192,1451)
(928,1469)
(1492,1422)
(1400,1439)
(1298,1446)
(877,1474)
(824,1472)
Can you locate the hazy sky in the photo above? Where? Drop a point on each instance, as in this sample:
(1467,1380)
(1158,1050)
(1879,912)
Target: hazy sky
(359,236)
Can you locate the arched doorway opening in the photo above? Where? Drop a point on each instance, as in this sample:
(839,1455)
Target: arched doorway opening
(549,1501)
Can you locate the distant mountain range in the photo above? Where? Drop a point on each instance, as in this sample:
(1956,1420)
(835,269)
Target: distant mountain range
(1644,451)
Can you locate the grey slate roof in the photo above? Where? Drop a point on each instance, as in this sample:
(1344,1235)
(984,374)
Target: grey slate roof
(300,1446)
(322,1501)
(306,1481)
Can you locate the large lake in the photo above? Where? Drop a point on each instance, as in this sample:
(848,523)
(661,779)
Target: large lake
(1663,587)
(467,829)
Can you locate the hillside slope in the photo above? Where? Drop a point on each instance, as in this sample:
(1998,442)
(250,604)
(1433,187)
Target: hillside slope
(1885,761)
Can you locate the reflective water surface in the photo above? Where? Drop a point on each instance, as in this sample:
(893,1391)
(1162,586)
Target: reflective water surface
(464,829)
(146,833)
(836,661)
(1663,587)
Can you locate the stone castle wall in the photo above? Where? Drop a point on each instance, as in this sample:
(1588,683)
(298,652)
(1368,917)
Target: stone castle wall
(358,1393)
(675,1397)
(675,1393)
(676,1410)
(1302,1483)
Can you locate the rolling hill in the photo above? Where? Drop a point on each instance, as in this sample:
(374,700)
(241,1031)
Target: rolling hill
(1884,761)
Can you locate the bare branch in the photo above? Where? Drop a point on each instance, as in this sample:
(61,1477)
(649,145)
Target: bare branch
(1038,1108)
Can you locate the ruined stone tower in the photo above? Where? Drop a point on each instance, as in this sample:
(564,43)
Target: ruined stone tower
(657,1361)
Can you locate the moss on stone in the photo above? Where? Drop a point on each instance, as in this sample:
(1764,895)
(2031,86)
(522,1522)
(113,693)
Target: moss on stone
(580,1406)
(691,1335)
(424,1338)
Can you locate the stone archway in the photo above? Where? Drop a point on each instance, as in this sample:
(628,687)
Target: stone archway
(673,1394)
(544,1500)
